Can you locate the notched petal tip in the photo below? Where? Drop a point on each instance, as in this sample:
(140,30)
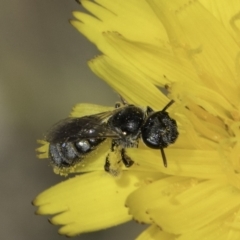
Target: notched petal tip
(42,151)
(75,211)
(36,203)
(139,222)
(70,21)
(50,221)
(78,1)
(74,23)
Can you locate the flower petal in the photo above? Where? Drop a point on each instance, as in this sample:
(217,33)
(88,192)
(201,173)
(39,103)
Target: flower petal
(129,83)
(152,55)
(118,16)
(145,197)
(207,98)
(203,164)
(179,203)
(159,64)
(222,229)
(227,12)
(42,152)
(209,46)
(178,213)
(88,202)
(155,233)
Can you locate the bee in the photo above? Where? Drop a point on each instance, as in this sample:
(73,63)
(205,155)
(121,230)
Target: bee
(72,139)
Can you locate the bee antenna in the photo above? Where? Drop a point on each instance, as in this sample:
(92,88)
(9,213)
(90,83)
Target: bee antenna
(164,157)
(124,102)
(168,105)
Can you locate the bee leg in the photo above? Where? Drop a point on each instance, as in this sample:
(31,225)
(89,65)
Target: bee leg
(107,164)
(127,161)
(124,102)
(113,145)
(112,163)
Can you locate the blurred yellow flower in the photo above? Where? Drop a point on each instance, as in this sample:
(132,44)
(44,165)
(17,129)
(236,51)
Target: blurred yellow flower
(192,49)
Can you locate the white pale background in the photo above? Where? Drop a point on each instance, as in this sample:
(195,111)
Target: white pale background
(43,73)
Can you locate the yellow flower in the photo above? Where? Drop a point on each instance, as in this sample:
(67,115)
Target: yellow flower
(192,49)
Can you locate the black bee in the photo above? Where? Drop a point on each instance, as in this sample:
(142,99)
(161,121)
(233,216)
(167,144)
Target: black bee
(72,139)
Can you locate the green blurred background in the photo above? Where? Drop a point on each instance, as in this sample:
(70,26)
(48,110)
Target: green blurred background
(43,73)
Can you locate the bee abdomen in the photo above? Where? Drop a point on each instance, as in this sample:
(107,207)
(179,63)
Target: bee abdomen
(68,154)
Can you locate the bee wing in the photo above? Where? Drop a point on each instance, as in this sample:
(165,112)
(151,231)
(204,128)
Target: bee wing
(83,109)
(72,129)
